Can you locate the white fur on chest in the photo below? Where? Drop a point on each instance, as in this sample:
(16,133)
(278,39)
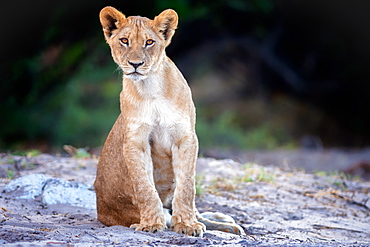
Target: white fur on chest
(158,116)
(165,122)
(160,112)
(157,110)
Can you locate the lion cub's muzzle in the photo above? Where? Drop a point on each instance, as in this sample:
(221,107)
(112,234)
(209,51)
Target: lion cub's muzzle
(135,70)
(135,64)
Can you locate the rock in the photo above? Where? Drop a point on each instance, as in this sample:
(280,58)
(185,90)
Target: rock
(28,187)
(52,191)
(68,192)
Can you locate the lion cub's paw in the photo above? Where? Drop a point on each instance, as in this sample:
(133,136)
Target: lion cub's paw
(148,228)
(196,229)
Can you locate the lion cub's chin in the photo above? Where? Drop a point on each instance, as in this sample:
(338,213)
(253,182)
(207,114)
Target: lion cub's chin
(135,77)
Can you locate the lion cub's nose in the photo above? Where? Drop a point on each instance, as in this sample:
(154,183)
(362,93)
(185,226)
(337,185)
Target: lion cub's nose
(135,64)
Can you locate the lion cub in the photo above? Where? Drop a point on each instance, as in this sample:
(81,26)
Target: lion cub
(149,158)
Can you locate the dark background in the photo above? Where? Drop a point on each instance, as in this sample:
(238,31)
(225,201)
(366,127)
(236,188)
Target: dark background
(265,74)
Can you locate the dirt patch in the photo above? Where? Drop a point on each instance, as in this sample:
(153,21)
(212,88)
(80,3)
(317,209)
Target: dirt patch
(276,207)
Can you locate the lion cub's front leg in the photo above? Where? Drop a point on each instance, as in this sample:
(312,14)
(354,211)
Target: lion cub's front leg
(184,162)
(139,165)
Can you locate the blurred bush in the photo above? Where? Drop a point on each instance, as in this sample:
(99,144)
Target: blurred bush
(264,73)
(80,110)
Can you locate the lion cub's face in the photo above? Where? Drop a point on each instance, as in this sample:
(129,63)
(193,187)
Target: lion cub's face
(138,43)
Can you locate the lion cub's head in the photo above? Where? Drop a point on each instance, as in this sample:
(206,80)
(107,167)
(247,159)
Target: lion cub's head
(138,43)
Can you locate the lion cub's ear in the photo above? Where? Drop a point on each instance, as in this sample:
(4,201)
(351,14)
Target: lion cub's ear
(166,23)
(111,19)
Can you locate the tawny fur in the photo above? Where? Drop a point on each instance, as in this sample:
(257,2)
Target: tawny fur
(149,158)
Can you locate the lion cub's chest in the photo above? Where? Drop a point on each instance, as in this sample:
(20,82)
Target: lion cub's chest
(162,122)
(155,117)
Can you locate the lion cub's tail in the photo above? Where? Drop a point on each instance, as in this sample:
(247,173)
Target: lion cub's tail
(219,221)
(212,221)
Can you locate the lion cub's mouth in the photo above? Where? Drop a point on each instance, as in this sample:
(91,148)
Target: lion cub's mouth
(135,76)
(135,73)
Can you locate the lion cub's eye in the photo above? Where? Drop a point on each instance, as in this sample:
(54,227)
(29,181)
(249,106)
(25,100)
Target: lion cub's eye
(149,42)
(124,41)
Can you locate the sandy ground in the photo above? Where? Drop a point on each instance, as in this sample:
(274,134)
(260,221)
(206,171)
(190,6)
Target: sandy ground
(276,205)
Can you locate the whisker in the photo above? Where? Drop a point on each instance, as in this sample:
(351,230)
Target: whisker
(119,70)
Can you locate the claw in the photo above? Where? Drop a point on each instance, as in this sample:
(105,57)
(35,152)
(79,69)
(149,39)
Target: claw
(196,229)
(148,228)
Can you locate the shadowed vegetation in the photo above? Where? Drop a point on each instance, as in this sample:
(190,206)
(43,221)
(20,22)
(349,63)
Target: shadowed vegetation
(265,74)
